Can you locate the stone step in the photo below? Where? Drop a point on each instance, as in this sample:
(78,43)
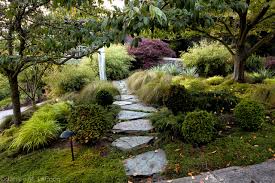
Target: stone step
(131,115)
(146,164)
(122,103)
(125,97)
(131,142)
(139,107)
(133,126)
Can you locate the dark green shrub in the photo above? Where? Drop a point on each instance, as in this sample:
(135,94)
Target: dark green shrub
(199,127)
(210,59)
(90,122)
(178,99)
(74,84)
(250,115)
(165,122)
(254,63)
(104,98)
(88,93)
(214,101)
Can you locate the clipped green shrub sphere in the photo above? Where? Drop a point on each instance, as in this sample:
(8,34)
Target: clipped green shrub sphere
(90,123)
(178,99)
(250,115)
(104,98)
(199,127)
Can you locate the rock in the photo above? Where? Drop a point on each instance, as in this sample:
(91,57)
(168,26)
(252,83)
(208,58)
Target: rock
(146,164)
(122,103)
(130,115)
(125,97)
(141,125)
(129,143)
(139,107)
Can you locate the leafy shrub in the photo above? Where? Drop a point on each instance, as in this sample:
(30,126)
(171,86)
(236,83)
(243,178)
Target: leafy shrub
(199,127)
(215,80)
(4,87)
(178,99)
(149,53)
(90,122)
(104,98)
(88,93)
(42,127)
(194,84)
(261,75)
(269,81)
(118,62)
(214,101)
(216,63)
(254,63)
(250,115)
(171,69)
(166,123)
(68,78)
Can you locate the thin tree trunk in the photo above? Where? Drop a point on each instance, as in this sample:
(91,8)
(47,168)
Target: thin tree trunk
(239,69)
(15,97)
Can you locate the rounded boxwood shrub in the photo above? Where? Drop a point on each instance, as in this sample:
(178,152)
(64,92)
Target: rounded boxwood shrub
(104,98)
(250,115)
(90,122)
(199,127)
(178,99)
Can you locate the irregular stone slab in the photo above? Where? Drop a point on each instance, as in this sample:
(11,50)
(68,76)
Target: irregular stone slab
(128,143)
(122,103)
(125,97)
(129,115)
(259,173)
(141,125)
(146,164)
(139,107)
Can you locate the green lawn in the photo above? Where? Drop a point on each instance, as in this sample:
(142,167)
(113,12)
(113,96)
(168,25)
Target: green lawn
(91,165)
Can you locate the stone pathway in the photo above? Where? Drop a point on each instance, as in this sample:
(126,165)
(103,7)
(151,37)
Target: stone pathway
(134,124)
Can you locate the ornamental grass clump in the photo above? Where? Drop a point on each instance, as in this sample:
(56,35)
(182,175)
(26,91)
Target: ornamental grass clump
(41,128)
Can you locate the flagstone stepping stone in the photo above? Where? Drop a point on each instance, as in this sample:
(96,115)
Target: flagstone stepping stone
(129,143)
(141,125)
(146,164)
(129,115)
(139,107)
(125,97)
(122,103)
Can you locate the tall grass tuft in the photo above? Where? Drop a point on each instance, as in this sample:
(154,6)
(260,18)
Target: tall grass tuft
(41,128)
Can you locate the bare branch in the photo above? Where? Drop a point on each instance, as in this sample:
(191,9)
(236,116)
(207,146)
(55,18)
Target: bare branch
(261,42)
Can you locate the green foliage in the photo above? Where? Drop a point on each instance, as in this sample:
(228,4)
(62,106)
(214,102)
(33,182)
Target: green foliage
(69,78)
(215,80)
(140,78)
(194,84)
(90,123)
(199,127)
(269,81)
(5,103)
(250,115)
(171,69)
(104,98)
(4,87)
(118,62)
(264,94)
(216,63)
(166,123)
(254,63)
(178,99)
(214,101)
(41,128)
(88,93)
(261,75)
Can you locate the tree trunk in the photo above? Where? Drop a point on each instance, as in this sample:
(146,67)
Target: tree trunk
(15,97)
(239,69)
